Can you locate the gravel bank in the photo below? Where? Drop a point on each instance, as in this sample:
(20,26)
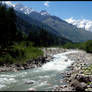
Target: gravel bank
(78,78)
(48,52)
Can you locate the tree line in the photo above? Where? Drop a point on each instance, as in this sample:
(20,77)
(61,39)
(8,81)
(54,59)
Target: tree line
(10,34)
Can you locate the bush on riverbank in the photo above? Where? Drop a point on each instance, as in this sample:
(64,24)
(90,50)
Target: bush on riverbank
(87,46)
(19,53)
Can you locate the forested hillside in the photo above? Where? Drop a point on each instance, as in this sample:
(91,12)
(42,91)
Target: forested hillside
(18,38)
(35,29)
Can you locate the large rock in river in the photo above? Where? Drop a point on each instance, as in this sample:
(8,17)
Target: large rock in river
(79,86)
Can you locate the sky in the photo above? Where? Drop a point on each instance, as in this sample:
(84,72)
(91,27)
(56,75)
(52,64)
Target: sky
(62,9)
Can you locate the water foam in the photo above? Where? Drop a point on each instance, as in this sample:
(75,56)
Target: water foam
(1,86)
(58,63)
(40,76)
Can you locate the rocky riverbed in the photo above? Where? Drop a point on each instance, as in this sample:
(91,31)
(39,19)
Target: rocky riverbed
(48,52)
(79,75)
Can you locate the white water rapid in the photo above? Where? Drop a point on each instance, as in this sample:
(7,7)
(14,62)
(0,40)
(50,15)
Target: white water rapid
(44,78)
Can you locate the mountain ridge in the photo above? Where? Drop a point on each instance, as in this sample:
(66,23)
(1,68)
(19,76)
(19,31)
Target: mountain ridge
(58,26)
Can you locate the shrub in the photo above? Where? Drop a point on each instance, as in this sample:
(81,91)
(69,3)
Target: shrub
(20,53)
(6,59)
(17,52)
(89,46)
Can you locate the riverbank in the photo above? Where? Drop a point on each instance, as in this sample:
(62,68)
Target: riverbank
(78,78)
(34,63)
(53,73)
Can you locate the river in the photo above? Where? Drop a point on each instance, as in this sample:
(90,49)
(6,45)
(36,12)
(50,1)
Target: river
(44,78)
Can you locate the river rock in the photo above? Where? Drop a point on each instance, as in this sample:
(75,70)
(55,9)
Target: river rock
(66,60)
(78,86)
(83,84)
(22,68)
(91,85)
(31,89)
(17,65)
(31,82)
(15,70)
(83,78)
(88,89)
(67,89)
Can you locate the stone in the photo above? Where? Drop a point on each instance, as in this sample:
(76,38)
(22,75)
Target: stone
(31,89)
(31,82)
(86,89)
(78,86)
(66,60)
(89,89)
(18,65)
(83,84)
(22,68)
(91,85)
(83,78)
(88,86)
(67,89)
(15,70)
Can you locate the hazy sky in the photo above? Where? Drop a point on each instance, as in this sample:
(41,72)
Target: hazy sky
(62,9)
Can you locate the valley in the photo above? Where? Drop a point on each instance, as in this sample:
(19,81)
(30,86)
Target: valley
(40,51)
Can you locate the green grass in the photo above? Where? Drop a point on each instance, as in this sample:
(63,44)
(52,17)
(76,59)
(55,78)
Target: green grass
(87,46)
(20,53)
(33,52)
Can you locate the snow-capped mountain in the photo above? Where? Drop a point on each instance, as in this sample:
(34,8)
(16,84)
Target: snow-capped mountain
(22,8)
(86,24)
(18,6)
(43,12)
(8,3)
(26,10)
(53,23)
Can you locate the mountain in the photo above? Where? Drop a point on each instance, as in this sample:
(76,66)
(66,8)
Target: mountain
(68,30)
(21,8)
(53,24)
(63,28)
(60,26)
(37,23)
(43,12)
(16,28)
(37,28)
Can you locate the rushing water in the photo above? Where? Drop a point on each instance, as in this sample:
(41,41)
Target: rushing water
(44,78)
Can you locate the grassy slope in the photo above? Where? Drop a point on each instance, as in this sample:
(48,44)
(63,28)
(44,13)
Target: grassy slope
(20,53)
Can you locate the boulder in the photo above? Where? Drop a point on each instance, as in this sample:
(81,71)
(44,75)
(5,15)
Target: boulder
(91,85)
(31,89)
(79,86)
(84,85)
(66,60)
(88,89)
(68,74)
(15,70)
(67,89)
(83,78)
(17,65)
(31,82)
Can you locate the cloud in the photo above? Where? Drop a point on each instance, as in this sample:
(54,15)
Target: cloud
(81,23)
(47,3)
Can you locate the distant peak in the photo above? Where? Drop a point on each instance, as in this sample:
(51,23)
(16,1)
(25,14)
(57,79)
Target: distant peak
(22,8)
(44,12)
(8,3)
